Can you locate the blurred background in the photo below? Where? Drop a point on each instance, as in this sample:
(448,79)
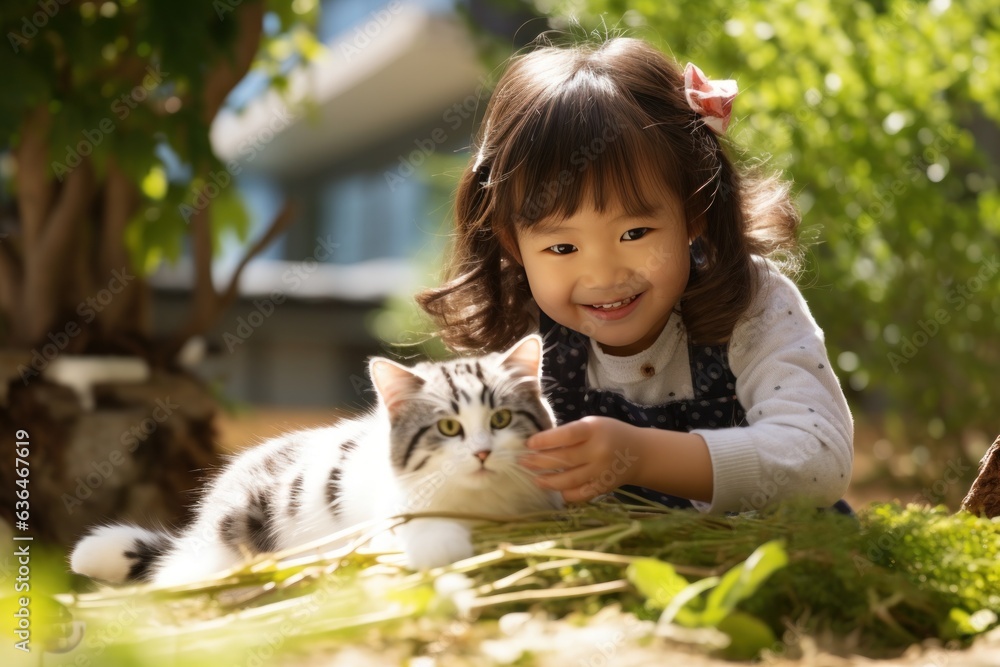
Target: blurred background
(212,214)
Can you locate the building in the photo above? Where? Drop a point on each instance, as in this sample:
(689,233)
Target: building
(371,157)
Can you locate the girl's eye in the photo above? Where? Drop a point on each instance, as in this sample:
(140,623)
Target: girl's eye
(449,427)
(500,419)
(635,234)
(561,248)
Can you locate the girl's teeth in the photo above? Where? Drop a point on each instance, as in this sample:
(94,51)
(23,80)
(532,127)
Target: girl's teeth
(616,304)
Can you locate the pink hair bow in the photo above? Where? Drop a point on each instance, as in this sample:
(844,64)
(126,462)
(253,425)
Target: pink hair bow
(713,100)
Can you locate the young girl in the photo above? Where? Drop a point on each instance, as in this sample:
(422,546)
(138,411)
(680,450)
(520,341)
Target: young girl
(603,211)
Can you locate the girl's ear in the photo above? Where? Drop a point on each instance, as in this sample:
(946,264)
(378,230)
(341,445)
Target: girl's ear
(393,382)
(525,358)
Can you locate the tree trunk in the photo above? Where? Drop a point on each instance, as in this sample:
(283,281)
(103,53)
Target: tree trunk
(67,286)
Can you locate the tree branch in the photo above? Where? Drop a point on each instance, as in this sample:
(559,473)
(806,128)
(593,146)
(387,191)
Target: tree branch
(229,71)
(280,223)
(208,303)
(42,267)
(120,200)
(205,297)
(34,189)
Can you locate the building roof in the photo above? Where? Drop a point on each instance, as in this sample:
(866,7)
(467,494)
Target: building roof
(379,79)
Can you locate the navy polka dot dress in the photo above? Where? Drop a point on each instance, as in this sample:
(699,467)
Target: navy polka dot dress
(714,404)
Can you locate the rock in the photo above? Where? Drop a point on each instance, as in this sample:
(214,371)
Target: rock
(984,496)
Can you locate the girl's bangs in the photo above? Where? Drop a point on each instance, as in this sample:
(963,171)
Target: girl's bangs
(587,142)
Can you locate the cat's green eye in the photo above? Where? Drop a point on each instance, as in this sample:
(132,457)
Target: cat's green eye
(500,419)
(449,427)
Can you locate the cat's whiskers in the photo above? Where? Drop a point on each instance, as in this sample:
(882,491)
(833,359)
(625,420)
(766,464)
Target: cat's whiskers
(523,479)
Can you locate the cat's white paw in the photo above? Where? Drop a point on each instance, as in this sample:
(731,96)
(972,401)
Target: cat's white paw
(429,543)
(113,552)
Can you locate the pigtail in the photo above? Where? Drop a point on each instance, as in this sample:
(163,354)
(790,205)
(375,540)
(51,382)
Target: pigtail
(481,307)
(772,219)
(747,214)
(722,284)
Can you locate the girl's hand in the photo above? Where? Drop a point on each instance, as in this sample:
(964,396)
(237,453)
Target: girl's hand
(585,458)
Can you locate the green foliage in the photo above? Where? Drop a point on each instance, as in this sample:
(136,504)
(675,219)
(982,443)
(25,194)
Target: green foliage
(683,604)
(955,556)
(124,79)
(885,116)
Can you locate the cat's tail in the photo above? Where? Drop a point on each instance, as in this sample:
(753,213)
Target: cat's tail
(119,553)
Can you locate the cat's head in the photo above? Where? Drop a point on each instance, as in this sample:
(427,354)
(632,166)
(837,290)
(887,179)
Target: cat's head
(464,422)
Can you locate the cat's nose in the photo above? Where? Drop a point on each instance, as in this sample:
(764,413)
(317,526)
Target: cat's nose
(482,455)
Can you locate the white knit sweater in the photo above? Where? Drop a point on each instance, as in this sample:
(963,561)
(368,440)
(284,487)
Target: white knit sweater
(799,441)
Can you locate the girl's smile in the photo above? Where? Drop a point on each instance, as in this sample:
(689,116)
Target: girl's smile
(616,310)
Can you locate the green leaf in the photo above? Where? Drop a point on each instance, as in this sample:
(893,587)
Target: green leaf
(748,635)
(656,580)
(229,214)
(681,609)
(154,183)
(961,623)
(415,600)
(743,581)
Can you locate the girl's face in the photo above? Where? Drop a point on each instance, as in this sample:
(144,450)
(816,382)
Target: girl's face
(610,276)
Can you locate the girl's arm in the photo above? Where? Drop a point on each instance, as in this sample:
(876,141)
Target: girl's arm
(800,437)
(799,441)
(595,455)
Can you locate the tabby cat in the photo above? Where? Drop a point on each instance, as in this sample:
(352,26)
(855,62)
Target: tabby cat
(444,437)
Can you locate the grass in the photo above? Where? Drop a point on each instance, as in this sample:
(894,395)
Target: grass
(889,579)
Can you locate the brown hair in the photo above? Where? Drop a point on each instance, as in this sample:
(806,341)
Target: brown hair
(591,119)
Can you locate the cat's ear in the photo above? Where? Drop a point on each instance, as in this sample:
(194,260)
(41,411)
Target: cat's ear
(393,382)
(525,357)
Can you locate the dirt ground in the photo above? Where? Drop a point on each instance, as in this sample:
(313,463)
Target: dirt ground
(619,641)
